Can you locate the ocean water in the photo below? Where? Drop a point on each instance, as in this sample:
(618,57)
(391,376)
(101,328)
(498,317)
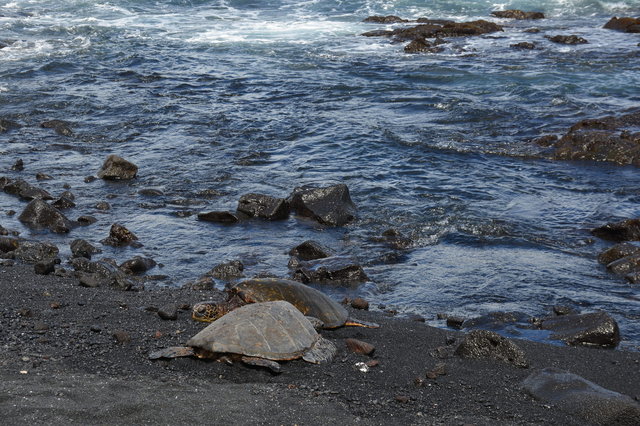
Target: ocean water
(247,96)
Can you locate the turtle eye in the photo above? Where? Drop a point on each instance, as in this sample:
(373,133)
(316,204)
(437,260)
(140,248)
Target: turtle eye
(201,309)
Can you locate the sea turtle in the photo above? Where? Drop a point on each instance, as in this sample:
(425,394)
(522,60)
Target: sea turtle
(259,334)
(308,300)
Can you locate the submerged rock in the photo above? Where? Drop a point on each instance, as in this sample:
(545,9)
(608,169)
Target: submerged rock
(567,39)
(627,25)
(576,395)
(263,206)
(39,214)
(219,217)
(421,45)
(117,168)
(6,125)
(592,329)
(517,14)
(61,127)
(483,344)
(618,251)
(330,205)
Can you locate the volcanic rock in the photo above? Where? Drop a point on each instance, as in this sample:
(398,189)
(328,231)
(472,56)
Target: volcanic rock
(227,270)
(46,267)
(218,217)
(627,25)
(360,303)
(18,165)
(576,395)
(389,19)
(481,344)
(86,220)
(61,127)
(6,125)
(137,265)
(168,312)
(626,230)
(8,244)
(524,45)
(592,329)
(43,176)
(517,14)
(626,265)
(331,205)
(566,39)
(39,214)
(102,272)
(310,250)
(359,347)
(117,168)
(331,270)
(63,203)
(25,190)
(119,236)
(421,45)
(263,206)
(618,251)
(33,251)
(82,248)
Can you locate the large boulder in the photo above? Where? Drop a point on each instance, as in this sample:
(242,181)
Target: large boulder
(592,329)
(117,168)
(39,214)
(613,139)
(263,206)
(627,25)
(484,344)
(582,398)
(330,205)
(517,14)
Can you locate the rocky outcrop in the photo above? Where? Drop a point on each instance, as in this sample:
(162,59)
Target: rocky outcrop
(525,45)
(330,205)
(23,189)
(566,39)
(421,45)
(39,214)
(582,398)
(117,168)
(613,139)
(517,14)
(592,329)
(389,19)
(263,206)
(120,236)
(34,251)
(627,25)
(483,344)
(618,251)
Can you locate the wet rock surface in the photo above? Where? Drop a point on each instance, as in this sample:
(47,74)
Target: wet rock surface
(626,230)
(310,250)
(39,214)
(82,248)
(227,270)
(117,168)
(330,205)
(481,344)
(218,217)
(625,24)
(137,265)
(582,398)
(594,329)
(517,14)
(331,270)
(263,206)
(567,39)
(120,236)
(61,127)
(23,189)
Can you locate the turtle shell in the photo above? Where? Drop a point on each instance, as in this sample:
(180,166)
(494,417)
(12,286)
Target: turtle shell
(271,330)
(308,300)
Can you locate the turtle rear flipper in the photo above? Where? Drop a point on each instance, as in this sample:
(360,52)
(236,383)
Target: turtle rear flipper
(273,366)
(172,352)
(321,352)
(353,322)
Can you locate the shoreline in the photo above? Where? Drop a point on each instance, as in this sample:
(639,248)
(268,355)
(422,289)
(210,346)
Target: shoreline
(73,354)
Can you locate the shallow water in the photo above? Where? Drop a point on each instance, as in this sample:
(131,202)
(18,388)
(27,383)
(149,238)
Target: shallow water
(247,96)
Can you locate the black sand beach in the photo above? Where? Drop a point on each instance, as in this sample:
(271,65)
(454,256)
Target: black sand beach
(71,354)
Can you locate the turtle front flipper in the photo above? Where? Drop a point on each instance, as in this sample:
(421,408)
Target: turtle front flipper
(353,322)
(172,352)
(273,366)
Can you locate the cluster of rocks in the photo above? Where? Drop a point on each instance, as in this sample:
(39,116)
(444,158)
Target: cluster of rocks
(429,35)
(331,206)
(597,329)
(611,139)
(622,259)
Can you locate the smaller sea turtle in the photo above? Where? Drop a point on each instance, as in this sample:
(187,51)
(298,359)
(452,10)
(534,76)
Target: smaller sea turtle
(258,334)
(308,300)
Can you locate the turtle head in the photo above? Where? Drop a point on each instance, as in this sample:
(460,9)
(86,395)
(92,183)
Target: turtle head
(208,311)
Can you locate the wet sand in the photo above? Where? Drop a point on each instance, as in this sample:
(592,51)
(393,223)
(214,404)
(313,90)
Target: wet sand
(76,355)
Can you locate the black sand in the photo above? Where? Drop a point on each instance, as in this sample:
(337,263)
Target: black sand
(61,364)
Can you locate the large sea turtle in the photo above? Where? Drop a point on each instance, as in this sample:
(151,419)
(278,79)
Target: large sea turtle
(258,334)
(308,300)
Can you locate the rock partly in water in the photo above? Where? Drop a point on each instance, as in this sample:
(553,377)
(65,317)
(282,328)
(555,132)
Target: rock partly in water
(591,329)
(330,205)
(517,14)
(566,39)
(331,270)
(34,251)
(219,217)
(483,344)
(24,190)
(525,45)
(626,265)
(117,168)
(310,250)
(6,125)
(63,203)
(120,236)
(422,45)
(499,321)
(626,230)
(82,248)
(39,214)
(227,270)
(626,24)
(618,251)
(137,265)
(61,127)
(18,166)
(613,139)
(582,398)
(263,206)
(389,19)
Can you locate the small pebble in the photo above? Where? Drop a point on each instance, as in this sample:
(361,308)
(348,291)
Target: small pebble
(359,347)
(402,399)
(168,312)
(95,329)
(122,336)
(360,303)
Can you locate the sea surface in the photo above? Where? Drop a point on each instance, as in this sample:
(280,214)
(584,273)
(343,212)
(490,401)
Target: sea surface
(214,99)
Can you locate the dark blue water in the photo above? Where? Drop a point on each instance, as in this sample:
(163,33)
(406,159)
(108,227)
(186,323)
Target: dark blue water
(247,96)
